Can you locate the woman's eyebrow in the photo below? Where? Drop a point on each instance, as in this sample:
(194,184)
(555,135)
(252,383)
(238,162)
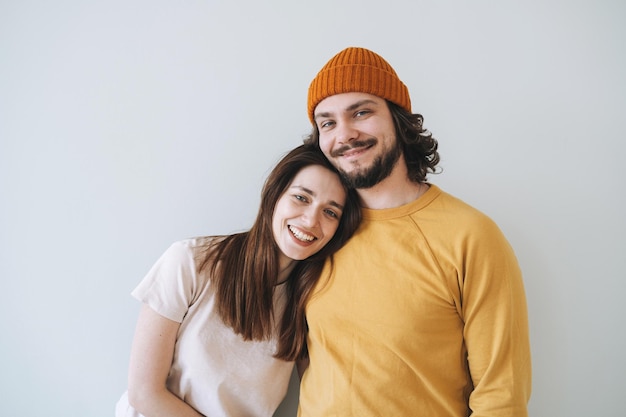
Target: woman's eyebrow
(312,193)
(303,188)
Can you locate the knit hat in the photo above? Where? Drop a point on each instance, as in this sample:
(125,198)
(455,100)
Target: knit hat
(357,70)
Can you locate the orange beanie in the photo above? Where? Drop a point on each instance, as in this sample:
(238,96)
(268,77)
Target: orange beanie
(357,70)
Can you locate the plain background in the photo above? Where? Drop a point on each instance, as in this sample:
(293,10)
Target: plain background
(127,125)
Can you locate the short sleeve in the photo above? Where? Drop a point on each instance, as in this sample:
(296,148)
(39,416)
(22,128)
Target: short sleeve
(170,285)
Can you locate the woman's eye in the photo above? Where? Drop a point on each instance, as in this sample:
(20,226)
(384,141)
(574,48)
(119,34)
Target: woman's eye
(331,213)
(301,198)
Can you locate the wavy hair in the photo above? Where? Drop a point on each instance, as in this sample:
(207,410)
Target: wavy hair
(244,266)
(419,147)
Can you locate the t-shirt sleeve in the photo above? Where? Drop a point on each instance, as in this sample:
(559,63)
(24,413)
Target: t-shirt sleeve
(169,286)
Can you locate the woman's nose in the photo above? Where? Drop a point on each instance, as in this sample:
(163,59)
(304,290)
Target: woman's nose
(311,217)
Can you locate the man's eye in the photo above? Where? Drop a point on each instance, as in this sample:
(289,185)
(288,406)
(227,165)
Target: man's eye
(361,113)
(327,124)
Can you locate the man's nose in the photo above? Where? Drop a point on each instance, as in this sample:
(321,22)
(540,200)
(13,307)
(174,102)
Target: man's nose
(346,133)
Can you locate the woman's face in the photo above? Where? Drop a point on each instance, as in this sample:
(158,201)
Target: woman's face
(307,215)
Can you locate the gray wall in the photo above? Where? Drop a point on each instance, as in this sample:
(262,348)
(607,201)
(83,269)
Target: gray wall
(126,125)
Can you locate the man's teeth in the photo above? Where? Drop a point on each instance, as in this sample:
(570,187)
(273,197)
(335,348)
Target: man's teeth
(301,235)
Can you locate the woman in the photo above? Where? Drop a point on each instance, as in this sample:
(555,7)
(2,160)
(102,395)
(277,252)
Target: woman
(223,317)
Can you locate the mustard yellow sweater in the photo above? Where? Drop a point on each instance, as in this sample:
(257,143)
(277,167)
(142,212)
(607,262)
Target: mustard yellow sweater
(424,314)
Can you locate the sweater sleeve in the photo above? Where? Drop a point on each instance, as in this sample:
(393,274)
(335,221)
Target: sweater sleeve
(495,325)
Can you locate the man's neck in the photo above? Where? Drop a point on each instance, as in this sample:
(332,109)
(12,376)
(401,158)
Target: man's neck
(394,191)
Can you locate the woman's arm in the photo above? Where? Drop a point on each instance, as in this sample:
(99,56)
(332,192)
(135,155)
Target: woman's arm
(150,362)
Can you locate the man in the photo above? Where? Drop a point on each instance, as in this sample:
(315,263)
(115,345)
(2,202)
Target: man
(423,312)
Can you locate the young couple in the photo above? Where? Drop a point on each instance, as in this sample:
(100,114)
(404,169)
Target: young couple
(421,313)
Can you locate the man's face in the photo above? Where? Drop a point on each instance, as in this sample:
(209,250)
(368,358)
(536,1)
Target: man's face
(357,134)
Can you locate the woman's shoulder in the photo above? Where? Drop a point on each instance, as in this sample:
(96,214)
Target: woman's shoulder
(191,252)
(197,244)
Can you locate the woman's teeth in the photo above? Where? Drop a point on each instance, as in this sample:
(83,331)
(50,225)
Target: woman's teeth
(301,235)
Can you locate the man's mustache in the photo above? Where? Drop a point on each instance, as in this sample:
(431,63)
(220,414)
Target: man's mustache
(353,145)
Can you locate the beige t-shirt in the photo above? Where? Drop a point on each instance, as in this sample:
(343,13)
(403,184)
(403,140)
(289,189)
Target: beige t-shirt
(213,369)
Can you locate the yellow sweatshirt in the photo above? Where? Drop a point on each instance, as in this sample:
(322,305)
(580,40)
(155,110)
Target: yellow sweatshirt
(423,314)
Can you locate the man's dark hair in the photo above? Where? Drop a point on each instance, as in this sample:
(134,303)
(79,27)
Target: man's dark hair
(419,147)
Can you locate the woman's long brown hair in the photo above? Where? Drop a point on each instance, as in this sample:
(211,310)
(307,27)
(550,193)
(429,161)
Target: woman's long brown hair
(244,266)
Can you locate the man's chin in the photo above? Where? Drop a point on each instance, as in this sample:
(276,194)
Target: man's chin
(359,180)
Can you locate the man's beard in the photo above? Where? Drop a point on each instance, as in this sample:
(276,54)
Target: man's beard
(381,168)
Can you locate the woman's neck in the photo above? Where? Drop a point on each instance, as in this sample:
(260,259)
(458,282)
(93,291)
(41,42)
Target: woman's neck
(285,267)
